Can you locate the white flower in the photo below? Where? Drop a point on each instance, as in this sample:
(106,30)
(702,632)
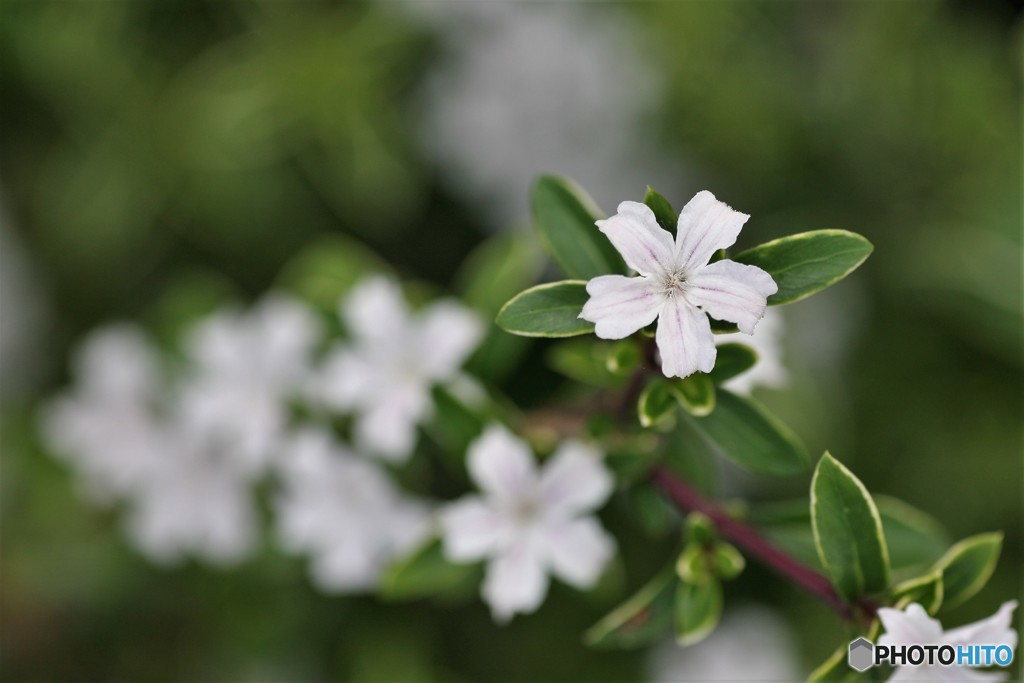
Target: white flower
(767,343)
(193,503)
(528,523)
(246,366)
(385,375)
(116,429)
(344,511)
(676,285)
(106,427)
(913,626)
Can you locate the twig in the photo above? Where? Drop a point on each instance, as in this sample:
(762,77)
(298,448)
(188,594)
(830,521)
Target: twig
(757,547)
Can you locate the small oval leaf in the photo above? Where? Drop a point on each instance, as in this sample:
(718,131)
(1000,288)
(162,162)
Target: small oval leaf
(807,262)
(733,360)
(925,590)
(698,609)
(967,566)
(564,217)
(548,310)
(696,394)
(639,621)
(657,403)
(847,531)
(748,434)
(662,209)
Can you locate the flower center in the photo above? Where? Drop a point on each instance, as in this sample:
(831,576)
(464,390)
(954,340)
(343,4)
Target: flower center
(674,283)
(526,511)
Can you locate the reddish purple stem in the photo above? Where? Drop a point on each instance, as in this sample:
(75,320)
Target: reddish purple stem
(755,545)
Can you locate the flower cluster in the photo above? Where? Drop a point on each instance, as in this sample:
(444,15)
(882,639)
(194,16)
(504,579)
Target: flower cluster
(180,440)
(182,445)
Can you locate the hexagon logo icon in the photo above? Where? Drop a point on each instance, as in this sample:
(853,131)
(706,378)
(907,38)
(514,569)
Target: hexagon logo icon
(861,655)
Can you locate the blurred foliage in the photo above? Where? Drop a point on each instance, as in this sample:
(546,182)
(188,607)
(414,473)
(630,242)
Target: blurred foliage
(147,146)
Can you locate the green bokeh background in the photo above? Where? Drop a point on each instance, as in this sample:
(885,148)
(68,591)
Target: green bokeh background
(141,142)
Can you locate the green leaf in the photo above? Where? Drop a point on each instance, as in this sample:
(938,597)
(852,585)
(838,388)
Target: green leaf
(565,219)
(848,530)
(748,434)
(698,609)
(548,310)
(696,394)
(968,565)
(652,512)
(723,326)
(583,360)
(624,357)
(727,561)
(925,590)
(694,566)
(426,573)
(639,621)
(915,539)
(325,271)
(663,211)
(808,262)
(688,454)
(733,359)
(658,403)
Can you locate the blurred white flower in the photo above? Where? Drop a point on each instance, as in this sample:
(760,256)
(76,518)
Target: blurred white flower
(676,285)
(913,626)
(528,523)
(751,644)
(246,365)
(524,90)
(106,427)
(385,374)
(343,511)
(194,503)
(767,343)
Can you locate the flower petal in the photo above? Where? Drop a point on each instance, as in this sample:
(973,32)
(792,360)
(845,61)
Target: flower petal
(515,582)
(574,480)
(619,306)
(911,626)
(375,312)
(472,530)
(502,465)
(448,333)
(344,381)
(684,339)
(994,631)
(635,233)
(732,291)
(388,428)
(705,225)
(578,550)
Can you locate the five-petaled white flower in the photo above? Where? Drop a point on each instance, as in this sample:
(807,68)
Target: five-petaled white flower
(529,523)
(396,356)
(344,512)
(245,366)
(676,285)
(913,626)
